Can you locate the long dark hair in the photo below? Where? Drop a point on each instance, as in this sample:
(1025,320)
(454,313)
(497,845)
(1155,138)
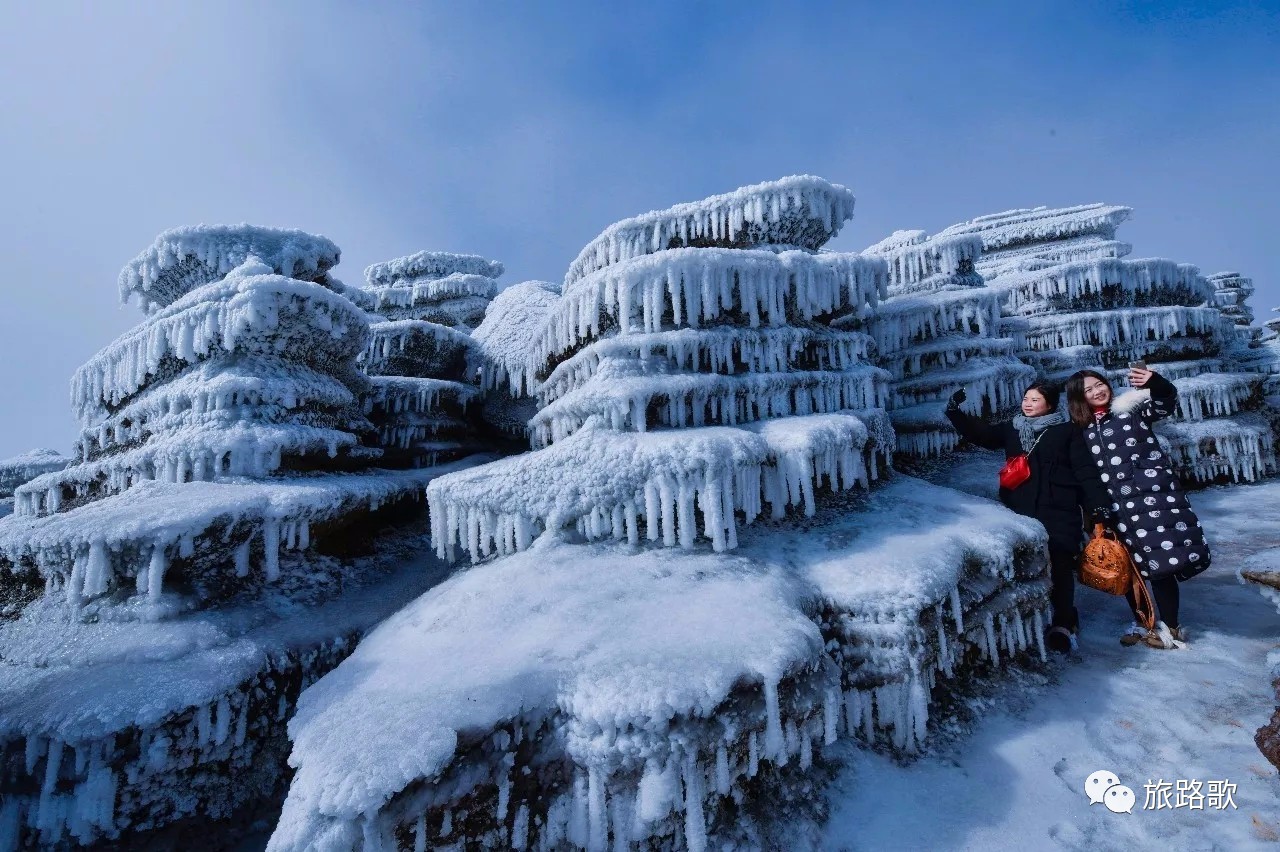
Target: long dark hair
(1051,393)
(1078,407)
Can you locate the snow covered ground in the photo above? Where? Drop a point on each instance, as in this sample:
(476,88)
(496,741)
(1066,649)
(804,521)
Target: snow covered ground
(1015,775)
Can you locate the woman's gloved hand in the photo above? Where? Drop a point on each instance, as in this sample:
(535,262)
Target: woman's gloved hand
(1104,517)
(956,398)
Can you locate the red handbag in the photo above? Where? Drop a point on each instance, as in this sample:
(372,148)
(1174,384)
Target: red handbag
(1017,470)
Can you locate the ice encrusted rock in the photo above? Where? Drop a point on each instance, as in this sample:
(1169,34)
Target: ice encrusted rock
(23,468)
(160,589)
(513,318)
(682,364)
(426,306)
(939,331)
(596,696)
(1075,301)
(801,211)
(183,259)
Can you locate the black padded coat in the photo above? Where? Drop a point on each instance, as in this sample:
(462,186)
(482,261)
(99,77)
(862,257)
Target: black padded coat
(1063,476)
(1153,515)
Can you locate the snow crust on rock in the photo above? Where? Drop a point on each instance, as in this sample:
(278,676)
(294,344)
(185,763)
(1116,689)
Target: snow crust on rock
(251,310)
(27,466)
(616,484)
(184,259)
(512,320)
(697,286)
(429,265)
(802,211)
(1041,224)
(640,690)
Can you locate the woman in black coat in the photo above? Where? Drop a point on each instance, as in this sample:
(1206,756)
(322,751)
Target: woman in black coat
(1063,478)
(1152,514)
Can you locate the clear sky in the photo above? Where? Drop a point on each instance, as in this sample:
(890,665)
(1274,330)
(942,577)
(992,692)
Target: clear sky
(519,130)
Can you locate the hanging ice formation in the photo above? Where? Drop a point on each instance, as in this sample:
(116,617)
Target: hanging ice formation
(145,680)
(602,697)
(502,363)
(939,330)
(607,693)
(1070,290)
(20,470)
(419,349)
(704,319)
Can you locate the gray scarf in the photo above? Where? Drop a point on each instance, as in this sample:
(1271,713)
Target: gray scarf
(1029,427)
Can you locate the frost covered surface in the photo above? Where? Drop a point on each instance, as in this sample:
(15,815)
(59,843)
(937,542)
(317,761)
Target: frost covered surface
(696,286)
(512,320)
(801,211)
(430,265)
(671,485)
(1106,283)
(134,538)
(640,691)
(125,724)
(625,397)
(250,311)
(183,259)
(1240,447)
(1231,292)
(936,333)
(1042,224)
(723,350)
(23,468)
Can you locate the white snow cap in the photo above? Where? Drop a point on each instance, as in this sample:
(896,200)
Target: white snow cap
(511,323)
(1036,224)
(429,265)
(183,259)
(802,211)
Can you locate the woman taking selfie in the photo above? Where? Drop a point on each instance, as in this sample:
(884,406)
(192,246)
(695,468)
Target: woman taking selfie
(1153,517)
(1061,478)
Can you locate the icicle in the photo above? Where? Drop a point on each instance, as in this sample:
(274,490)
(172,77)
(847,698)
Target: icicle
(695,827)
(155,572)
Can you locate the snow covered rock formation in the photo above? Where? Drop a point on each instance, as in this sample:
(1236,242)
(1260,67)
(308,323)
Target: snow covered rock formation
(20,470)
(591,688)
(683,380)
(939,331)
(167,596)
(418,354)
(1069,287)
(504,365)
(598,696)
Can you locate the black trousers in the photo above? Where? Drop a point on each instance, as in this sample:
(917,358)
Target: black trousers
(1062,572)
(1164,590)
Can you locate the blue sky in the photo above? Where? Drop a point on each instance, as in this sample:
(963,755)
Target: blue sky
(519,131)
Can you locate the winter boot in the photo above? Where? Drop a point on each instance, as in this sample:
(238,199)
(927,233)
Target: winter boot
(1133,635)
(1060,640)
(1164,638)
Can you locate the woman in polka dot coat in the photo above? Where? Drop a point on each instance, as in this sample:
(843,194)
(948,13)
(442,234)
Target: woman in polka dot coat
(1152,514)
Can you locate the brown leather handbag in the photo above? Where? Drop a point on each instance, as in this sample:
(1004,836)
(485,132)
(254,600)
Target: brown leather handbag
(1107,567)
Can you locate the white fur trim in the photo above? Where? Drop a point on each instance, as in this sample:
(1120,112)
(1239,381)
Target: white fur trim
(1130,400)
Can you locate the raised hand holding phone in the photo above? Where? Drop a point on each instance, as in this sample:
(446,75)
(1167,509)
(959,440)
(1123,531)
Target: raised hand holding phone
(1139,375)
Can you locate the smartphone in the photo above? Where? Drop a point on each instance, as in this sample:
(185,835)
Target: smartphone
(1137,365)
